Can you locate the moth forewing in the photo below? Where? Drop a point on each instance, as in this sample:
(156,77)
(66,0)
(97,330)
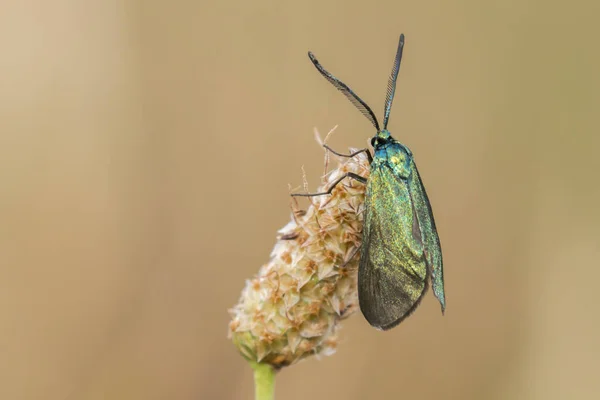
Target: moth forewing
(431,240)
(392,271)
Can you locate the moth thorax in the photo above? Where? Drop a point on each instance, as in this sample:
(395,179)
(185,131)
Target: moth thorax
(399,157)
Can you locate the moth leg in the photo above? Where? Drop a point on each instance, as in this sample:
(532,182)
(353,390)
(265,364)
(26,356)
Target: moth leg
(366,151)
(346,175)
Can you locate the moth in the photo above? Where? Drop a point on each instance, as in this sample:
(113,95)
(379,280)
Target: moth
(400,252)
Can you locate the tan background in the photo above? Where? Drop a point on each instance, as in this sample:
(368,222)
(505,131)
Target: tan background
(145,152)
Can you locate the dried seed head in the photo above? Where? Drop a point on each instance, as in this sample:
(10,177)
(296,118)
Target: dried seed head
(291,309)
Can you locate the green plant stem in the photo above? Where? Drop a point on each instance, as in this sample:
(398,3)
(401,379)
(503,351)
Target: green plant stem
(264,381)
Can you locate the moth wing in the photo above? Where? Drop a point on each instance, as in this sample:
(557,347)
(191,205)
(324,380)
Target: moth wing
(431,240)
(392,275)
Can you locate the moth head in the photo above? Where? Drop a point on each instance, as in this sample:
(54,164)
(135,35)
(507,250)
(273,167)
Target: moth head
(383,137)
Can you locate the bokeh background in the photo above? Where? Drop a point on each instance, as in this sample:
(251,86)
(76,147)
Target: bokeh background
(145,153)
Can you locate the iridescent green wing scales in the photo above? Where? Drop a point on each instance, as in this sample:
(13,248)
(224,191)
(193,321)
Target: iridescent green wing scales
(431,240)
(392,275)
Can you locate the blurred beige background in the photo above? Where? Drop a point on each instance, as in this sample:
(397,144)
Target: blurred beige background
(145,152)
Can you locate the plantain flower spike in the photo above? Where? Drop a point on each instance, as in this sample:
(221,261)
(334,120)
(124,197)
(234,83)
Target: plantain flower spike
(291,309)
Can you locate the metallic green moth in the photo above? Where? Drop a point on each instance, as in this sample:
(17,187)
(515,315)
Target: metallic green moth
(401,249)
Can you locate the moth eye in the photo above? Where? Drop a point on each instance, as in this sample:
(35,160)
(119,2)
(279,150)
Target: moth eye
(373,141)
